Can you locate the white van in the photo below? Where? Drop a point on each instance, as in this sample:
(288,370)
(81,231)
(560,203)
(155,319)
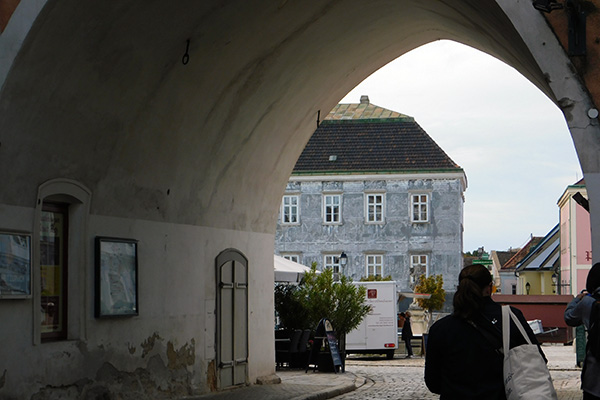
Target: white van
(378,332)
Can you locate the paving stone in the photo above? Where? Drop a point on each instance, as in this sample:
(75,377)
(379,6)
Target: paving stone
(376,378)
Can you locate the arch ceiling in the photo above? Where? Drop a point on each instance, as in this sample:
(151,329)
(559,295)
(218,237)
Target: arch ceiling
(98,93)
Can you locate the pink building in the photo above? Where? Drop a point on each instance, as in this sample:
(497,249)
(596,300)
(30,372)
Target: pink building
(575,239)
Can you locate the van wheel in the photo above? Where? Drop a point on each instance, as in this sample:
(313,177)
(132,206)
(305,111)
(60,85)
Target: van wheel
(390,354)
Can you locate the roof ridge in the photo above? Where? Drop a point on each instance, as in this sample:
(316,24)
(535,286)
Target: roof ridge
(526,249)
(362,110)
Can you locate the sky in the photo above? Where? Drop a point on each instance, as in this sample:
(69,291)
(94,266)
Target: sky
(511,140)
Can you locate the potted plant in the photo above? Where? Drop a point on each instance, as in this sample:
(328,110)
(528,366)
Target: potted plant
(339,301)
(319,296)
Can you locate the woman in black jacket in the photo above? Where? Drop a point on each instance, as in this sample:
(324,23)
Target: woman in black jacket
(463,359)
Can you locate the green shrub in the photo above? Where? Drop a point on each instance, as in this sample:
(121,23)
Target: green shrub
(292,313)
(375,278)
(320,296)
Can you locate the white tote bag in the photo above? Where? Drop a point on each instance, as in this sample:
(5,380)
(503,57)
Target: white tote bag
(526,375)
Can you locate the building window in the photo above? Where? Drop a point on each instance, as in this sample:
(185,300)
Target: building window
(53,271)
(420,207)
(60,269)
(513,288)
(292,257)
(333,262)
(290,212)
(375,208)
(418,265)
(332,208)
(374,265)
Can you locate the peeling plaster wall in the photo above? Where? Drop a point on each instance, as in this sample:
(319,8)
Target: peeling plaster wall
(397,239)
(167,349)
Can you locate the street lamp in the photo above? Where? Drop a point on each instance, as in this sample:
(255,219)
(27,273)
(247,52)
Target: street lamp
(343,259)
(527,287)
(554,281)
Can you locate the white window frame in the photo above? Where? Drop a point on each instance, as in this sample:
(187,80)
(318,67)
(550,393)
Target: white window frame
(417,260)
(371,208)
(374,264)
(332,261)
(292,257)
(336,217)
(419,202)
(290,207)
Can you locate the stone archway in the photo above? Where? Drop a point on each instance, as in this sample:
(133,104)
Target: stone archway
(190,158)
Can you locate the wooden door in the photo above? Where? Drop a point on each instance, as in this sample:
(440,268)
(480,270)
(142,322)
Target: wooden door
(232,319)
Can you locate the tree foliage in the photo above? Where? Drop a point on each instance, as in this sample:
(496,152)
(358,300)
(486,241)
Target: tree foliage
(292,314)
(320,296)
(433,285)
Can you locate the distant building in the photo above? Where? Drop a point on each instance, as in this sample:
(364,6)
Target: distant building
(575,239)
(499,259)
(493,261)
(509,283)
(373,194)
(538,272)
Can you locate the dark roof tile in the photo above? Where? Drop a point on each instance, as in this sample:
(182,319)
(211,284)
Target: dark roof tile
(396,144)
(521,254)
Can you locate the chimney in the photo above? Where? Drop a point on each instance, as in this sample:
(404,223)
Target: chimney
(364,99)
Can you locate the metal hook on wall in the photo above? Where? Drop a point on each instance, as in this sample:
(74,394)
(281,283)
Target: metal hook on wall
(186,57)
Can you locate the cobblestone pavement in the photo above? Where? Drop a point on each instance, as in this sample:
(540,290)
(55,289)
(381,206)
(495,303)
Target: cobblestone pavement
(377,378)
(403,379)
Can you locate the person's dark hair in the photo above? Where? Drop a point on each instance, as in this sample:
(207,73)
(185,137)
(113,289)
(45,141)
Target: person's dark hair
(468,299)
(593,279)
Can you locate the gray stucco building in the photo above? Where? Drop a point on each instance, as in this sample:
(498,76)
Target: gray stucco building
(372,185)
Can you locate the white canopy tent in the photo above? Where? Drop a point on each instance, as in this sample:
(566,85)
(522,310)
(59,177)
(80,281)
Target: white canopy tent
(288,271)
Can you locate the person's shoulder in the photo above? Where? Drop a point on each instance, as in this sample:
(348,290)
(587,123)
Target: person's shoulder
(444,322)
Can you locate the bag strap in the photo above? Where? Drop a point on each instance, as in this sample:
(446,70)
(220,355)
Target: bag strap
(493,341)
(507,315)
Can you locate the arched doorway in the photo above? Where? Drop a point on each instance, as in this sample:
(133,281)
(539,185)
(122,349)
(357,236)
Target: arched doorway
(232,319)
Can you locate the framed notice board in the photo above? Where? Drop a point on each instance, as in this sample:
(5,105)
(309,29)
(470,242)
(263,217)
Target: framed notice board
(116,277)
(15,265)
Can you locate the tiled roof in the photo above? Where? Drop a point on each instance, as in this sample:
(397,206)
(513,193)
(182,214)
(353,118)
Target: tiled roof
(504,256)
(521,254)
(468,260)
(365,138)
(545,256)
(362,110)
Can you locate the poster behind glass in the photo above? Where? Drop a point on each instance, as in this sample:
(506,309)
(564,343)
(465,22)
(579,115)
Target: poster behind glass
(52,274)
(15,265)
(116,277)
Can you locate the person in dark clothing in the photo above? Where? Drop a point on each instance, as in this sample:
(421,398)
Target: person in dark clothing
(407,334)
(578,313)
(461,362)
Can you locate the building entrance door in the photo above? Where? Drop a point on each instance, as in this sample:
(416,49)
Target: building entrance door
(232,318)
